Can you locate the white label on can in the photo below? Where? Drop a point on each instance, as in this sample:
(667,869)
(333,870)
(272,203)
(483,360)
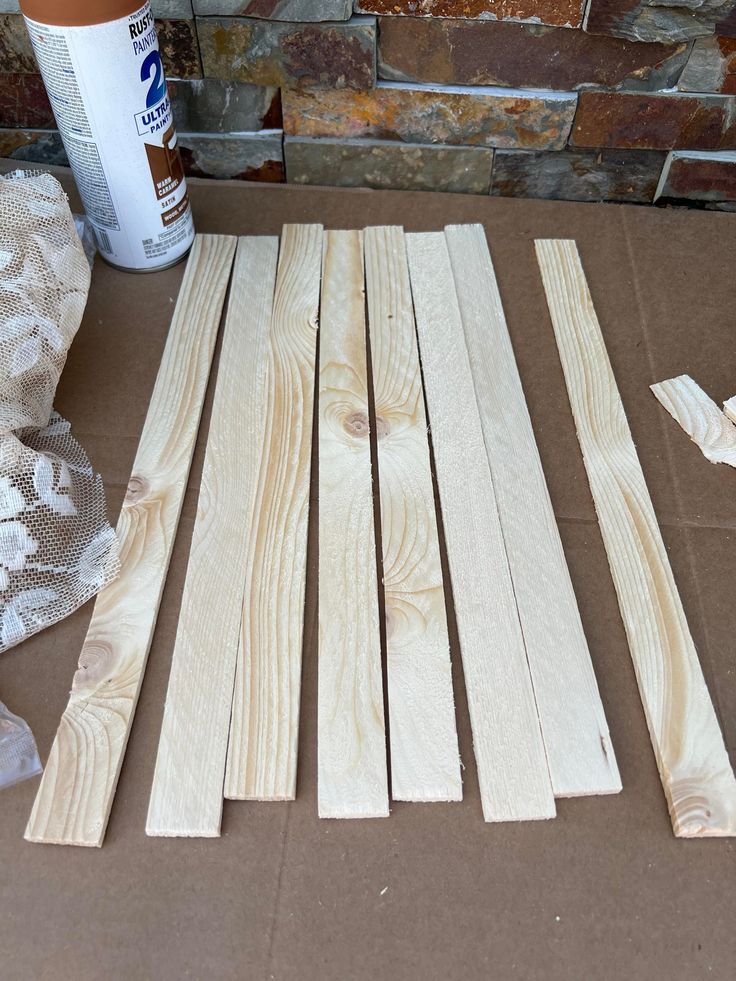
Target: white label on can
(108,91)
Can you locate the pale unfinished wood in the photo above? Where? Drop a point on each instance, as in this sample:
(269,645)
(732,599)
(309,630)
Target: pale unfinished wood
(425,763)
(351,738)
(729,407)
(264,730)
(700,417)
(186,797)
(579,750)
(73,802)
(512,767)
(693,763)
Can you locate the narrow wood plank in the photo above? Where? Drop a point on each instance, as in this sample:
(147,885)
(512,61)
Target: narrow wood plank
(425,763)
(351,741)
(75,796)
(264,729)
(693,763)
(186,796)
(700,417)
(729,407)
(512,767)
(579,750)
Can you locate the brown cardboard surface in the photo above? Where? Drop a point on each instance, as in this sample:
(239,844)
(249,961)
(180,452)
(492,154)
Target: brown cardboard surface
(604,891)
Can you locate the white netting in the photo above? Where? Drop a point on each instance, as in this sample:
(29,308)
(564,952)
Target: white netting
(57,548)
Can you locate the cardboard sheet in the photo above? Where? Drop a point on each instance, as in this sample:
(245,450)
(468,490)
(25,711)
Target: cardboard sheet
(604,891)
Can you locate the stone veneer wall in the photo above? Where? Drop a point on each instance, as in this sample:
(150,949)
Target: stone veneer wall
(593,100)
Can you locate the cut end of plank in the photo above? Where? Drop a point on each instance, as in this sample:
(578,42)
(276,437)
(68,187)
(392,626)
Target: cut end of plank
(417,795)
(492,815)
(262,798)
(353,814)
(704,806)
(79,842)
(181,833)
(699,416)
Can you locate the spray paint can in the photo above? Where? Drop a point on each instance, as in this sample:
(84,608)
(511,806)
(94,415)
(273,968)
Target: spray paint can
(102,70)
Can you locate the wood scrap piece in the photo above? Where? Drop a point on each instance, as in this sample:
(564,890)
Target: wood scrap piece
(693,763)
(425,763)
(512,767)
(264,730)
(579,750)
(700,417)
(729,407)
(351,742)
(186,796)
(73,802)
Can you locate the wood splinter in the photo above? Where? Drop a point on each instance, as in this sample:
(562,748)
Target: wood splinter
(700,417)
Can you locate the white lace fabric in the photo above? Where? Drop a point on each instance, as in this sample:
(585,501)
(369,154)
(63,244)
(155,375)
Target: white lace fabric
(57,548)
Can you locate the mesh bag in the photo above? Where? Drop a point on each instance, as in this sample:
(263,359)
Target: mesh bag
(57,548)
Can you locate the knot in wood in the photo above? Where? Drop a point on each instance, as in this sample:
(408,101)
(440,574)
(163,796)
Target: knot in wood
(356,424)
(138,487)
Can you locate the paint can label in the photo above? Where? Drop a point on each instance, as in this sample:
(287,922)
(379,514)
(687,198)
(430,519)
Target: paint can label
(108,91)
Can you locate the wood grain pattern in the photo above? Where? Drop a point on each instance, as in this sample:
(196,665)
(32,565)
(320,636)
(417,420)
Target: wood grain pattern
(693,763)
(264,730)
(512,767)
(425,763)
(579,750)
(186,797)
(700,417)
(75,796)
(351,742)
(729,408)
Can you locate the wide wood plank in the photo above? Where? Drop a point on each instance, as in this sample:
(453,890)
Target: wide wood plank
(425,763)
(75,796)
(264,731)
(351,741)
(186,797)
(693,763)
(700,417)
(512,767)
(579,750)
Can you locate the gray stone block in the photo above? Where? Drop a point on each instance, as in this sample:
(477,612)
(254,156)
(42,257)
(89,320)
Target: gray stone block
(16,52)
(171,9)
(239,156)
(387,165)
(689,175)
(286,10)
(335,54)
(711,66)
(211,105)
(455,115)
(42,146)
(578,175)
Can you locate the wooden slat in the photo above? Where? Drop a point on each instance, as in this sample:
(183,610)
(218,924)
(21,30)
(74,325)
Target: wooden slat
(264,730)
(351,741)
(700,417)
(512,767)
(76,792)
(425,763)
(186,797)
(579,750)
(693,763)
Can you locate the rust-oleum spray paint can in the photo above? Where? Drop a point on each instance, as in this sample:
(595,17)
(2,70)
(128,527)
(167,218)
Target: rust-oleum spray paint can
(102,69)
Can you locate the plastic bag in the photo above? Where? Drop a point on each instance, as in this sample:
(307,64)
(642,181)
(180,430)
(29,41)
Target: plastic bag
(87,237)
(18,754)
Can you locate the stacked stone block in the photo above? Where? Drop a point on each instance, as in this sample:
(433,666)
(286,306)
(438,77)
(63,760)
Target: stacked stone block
(585,100)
